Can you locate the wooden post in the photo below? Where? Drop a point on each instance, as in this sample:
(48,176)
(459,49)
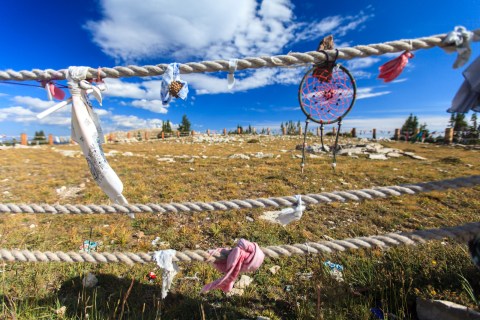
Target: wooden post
(300,130)
(146,135)
(193,133)
(23,139)
(374,134)
(129,135)
(396,136)
(354,132)
(50,139)
(208,132)
(254,130)
(334,131)
(238,130)
(318,131)
(268,131)
(284,131)
(178,134)
(224,131)
(448,135)
(163,135)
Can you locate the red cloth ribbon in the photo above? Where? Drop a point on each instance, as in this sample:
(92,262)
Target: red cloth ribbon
(392,69)
(55,91)
(245,257)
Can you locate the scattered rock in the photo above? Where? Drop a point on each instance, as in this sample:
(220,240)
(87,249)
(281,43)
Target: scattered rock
(250,219)
(239,156)
(274,269)
(32,226)
(445,310)
(261,155)
(393,155)
(244,282)
(169,160)
(375,156)
(89,281)
(127,154)
(69,192)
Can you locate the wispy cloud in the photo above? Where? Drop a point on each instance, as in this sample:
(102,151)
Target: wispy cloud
(368,92)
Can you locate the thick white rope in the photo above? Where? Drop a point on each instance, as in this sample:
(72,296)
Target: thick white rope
(461,233)
(286,201)
(293,58)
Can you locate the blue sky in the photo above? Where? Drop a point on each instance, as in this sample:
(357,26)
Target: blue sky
(58,34)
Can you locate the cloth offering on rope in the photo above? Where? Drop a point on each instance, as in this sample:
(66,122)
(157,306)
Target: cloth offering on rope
(390,70)
(459,40)
(164,259)
(232,67)
(245,257)
(172,85)
(468,96)
(287,215)
(87,132)
(53,91)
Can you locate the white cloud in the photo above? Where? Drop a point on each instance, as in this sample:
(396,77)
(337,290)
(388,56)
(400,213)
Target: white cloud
(367,92)
(134,122)
(151,105)
(208,84)
(207,28)
(33,103)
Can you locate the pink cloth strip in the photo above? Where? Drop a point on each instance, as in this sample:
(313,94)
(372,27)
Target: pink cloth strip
(245,257)
(392,69)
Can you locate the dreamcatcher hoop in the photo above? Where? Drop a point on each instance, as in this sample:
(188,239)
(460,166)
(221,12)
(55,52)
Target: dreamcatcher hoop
(327,93)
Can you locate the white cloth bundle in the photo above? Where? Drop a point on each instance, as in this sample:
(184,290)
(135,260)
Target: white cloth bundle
(164,259)
(86,131)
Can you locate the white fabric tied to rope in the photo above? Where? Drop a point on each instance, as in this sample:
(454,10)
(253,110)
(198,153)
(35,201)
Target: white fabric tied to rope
(232,67)
(287,215)
(460,37)
(164,259)
(172,73)
(87,132)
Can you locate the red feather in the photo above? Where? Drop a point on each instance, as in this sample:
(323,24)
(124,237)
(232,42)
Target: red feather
(392,69)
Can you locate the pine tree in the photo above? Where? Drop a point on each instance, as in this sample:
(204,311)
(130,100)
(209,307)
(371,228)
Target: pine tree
(411,124)
(460,122)
(451,122)
(185,124)
(474,122)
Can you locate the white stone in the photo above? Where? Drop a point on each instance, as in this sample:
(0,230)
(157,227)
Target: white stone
(239,156)
(374,156)
(89,281)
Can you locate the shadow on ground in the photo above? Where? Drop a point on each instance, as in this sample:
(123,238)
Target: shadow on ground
(111,299)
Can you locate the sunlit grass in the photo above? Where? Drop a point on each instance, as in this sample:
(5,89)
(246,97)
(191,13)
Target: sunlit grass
(390,279)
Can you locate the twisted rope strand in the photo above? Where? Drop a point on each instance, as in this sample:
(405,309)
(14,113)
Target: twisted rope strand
(286,201)
(293,58)
(461,233)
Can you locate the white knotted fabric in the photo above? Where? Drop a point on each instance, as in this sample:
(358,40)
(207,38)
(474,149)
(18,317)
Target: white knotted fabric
(232,67)
(164,259)
(87,132)
(460,37)
(287,215)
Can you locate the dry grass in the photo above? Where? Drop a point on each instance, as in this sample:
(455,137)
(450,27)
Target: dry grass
(392,278)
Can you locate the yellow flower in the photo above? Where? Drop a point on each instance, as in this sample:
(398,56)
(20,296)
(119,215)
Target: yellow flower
(433,292)
(434,262)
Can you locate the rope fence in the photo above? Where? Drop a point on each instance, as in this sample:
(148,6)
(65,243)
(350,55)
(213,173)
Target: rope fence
(461,233)
(291,59)
(286,201)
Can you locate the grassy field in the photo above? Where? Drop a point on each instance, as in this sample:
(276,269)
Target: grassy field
(389,279)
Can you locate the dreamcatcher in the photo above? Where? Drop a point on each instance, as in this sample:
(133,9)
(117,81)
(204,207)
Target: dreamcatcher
(326,95)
